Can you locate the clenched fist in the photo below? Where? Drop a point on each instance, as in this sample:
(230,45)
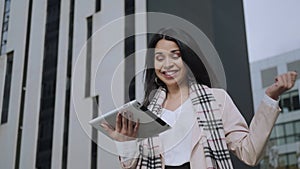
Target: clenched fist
(282,83)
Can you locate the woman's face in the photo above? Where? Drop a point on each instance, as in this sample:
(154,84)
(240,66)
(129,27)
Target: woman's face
(168,63)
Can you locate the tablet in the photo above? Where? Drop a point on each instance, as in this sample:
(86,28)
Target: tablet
(150,124)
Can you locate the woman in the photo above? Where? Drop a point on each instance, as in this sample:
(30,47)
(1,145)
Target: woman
(177,87)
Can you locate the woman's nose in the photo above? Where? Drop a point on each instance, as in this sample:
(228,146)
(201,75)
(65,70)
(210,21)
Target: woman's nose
(168,63)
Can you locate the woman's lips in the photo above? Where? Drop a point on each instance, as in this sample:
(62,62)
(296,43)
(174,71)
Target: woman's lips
(169,74)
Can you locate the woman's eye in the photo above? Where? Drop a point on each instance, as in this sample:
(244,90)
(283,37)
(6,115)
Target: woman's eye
(176,55)
(159,57)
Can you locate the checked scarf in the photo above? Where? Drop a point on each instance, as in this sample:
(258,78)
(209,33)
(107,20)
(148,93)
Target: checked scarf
(209,120)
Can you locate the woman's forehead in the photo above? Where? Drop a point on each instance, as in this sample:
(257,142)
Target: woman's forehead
(166,45)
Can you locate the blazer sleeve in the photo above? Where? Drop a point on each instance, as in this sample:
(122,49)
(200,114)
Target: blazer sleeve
(248,142)
(128,153)
(129,164)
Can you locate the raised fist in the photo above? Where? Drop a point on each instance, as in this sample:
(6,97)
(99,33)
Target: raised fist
(282,83)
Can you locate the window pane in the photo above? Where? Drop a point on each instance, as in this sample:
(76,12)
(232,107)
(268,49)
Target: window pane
(290,139)
(294,66)
(286,103)
(289,129)
(297,137)
(279,131)
(297,127)
(282,160)
(267,76)
(292,159)
(296,104)
(280,141)
(273,133)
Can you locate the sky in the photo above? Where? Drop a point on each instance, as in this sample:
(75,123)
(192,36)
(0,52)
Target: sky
(272,27)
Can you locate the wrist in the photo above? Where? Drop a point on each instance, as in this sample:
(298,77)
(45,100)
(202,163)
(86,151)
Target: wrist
(272,95)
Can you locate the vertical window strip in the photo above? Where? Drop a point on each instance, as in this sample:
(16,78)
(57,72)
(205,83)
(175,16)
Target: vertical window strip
(4,32)
(129,51)
(88,56)
(23,91)
(47,101)
(94,152)
(68,88)
(98,5)
(7,88)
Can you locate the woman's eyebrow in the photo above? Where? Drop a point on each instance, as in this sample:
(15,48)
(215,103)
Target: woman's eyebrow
(172,51)
(158,52)
(175,50)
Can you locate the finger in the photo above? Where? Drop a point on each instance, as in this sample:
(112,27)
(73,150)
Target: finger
(290,80)
(294,75)
(130,123)
(285,78)
(279,81)
(119,122)
(124,122)
(107,127)
(136,128)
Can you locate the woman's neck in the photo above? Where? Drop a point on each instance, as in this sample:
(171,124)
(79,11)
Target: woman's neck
(176,92)
(176,96)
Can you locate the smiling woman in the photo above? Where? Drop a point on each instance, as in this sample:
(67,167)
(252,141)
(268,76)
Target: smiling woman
(205,122)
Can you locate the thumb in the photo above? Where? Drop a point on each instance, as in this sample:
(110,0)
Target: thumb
(107,127)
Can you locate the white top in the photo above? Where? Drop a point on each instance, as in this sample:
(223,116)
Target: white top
(180,151)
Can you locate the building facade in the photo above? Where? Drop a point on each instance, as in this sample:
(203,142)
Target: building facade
(283,149)
(41,47)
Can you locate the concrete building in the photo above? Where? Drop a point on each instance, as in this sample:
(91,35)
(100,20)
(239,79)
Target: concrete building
(41,43)
(283,149)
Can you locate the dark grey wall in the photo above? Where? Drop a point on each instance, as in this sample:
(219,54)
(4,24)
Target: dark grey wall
(223,22)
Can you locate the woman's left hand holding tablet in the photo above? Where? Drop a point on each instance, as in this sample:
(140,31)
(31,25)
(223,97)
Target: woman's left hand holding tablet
(125,130)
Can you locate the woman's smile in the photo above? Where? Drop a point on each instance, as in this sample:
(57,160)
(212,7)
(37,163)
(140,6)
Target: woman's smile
(170,74)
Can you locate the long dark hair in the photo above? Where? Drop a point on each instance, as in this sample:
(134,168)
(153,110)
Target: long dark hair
(187,47)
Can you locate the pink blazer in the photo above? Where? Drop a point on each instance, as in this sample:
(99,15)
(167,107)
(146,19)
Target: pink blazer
(247,143)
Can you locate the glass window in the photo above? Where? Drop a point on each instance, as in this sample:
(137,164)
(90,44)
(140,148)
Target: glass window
(290,101)
(297,137)
(273,133)
(297,127)
(292,159)
(290,139)
(5,27)
(7,88)
(296,102)
(286,104)
(98,5)
(7,5)
(272,142)
(279,130)
(283,160)
(280,141)
(289,129)
(267,76)
(294,66)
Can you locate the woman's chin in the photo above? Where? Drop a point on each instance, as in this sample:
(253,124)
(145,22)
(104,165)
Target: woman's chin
(171,83)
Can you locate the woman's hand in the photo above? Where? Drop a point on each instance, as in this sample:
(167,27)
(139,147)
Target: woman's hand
(125,129)
(282,83)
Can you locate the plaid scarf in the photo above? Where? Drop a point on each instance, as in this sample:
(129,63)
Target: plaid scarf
(209,120)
